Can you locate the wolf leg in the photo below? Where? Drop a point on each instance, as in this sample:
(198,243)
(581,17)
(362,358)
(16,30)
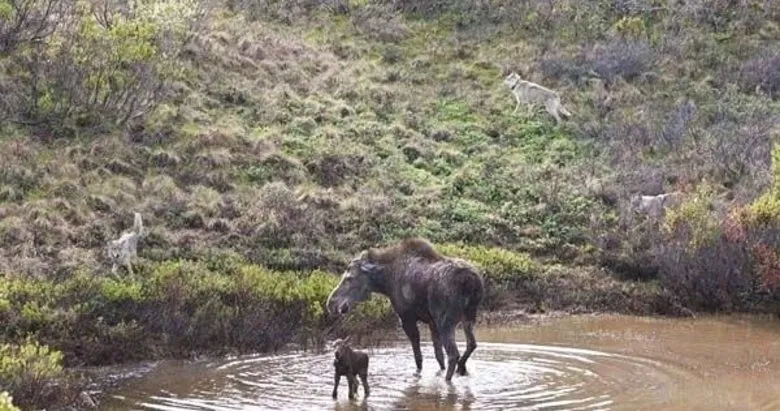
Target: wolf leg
(517,106)
(552,108)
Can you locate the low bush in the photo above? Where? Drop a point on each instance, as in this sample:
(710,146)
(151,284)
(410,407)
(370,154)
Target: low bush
(724,259)
(32,374)
(497,264)
(173,308)
(6,402)
(99,66)
(505,272)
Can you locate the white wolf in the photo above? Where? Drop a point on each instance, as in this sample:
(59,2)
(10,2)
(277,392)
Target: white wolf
(122,250)
(532,93)
(655,206)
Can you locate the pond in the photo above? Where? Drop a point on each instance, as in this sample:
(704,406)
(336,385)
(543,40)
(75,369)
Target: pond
(602,362)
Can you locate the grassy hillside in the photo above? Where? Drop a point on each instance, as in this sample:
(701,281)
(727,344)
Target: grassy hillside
(266,142)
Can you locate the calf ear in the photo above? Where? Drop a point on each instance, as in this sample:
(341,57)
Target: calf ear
(367,266)
(368,255)
(346,340)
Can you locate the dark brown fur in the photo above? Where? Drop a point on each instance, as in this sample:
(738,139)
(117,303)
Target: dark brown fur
(422,285)
(349,362)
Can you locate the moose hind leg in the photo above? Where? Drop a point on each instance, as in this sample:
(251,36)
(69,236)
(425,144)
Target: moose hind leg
(410,328)
(471,345)
(437,348)
(448,340)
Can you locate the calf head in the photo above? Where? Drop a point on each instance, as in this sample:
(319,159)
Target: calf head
(340,346)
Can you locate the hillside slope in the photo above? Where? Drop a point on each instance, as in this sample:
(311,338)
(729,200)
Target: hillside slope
(287,136)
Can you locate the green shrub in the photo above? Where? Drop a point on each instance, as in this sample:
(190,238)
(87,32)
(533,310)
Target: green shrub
(27,369)
(6,402)
(766,208)
(173,307)
(104,65)
(696,215)
(497,264)
(372,315)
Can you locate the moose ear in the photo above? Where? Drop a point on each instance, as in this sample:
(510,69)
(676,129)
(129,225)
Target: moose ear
(346,340)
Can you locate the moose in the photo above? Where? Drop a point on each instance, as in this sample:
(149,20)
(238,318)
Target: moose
(423,286)
(349,362)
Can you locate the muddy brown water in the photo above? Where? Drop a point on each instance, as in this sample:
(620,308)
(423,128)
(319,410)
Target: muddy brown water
(570,363)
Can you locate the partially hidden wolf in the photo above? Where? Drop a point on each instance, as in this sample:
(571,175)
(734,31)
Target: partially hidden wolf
(655,206)
(422,285)
(349,363)
(532,93)
(124,249)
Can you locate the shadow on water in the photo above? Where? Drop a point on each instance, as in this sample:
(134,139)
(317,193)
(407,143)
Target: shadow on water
(577,363)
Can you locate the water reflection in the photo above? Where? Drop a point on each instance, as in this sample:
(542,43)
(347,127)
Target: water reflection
(437,394)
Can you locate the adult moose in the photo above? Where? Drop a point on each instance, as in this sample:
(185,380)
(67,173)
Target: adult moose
(422,285)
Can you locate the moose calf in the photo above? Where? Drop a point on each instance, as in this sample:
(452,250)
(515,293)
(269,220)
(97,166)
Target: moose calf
(350,362)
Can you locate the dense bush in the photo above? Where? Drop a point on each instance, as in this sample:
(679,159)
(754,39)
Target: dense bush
(174,309)
(32,374)
(6,402)
(97,66)
(717,258)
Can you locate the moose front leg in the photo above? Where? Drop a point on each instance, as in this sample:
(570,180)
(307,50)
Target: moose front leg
(336,380)
(410,328)
(364,378)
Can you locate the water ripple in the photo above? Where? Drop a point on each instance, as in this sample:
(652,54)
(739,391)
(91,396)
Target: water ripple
(503,376)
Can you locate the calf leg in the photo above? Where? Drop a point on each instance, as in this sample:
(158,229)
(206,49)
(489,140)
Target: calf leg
(410,328)
(337,378)
(364,379)
(471,345)
(352,385)
(437,350)
(447,336)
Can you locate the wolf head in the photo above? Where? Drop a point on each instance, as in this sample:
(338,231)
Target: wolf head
(511,79)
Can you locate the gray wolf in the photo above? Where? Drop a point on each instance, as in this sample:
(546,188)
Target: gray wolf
(124,249)
(532,93)
(655,206)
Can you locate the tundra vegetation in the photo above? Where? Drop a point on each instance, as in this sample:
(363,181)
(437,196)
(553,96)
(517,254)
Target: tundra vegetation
(267,141)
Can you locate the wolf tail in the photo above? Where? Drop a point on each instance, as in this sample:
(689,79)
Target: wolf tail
(138,225)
